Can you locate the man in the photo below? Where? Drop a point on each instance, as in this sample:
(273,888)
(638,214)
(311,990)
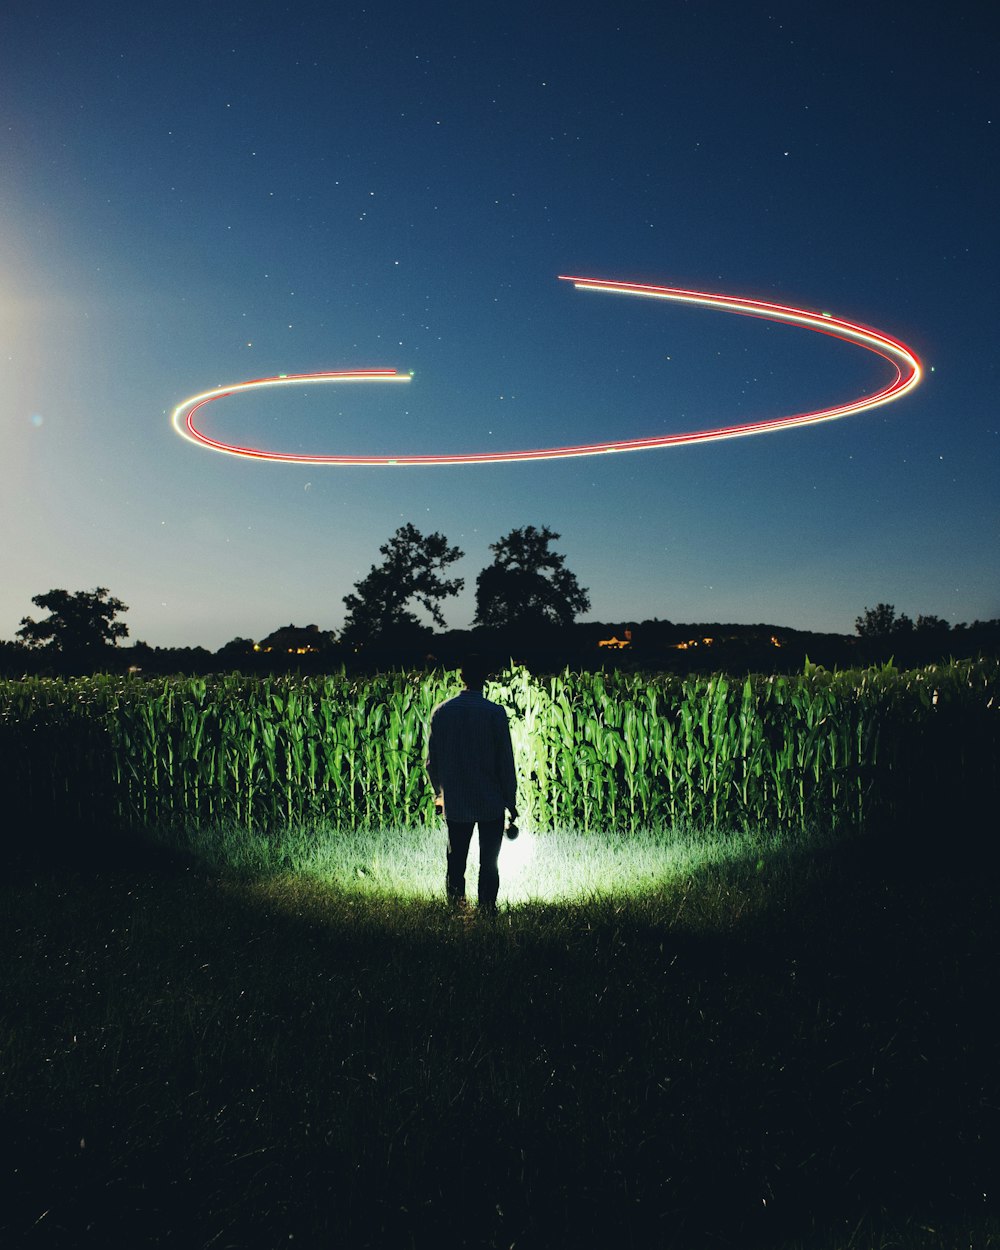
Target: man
(470,763)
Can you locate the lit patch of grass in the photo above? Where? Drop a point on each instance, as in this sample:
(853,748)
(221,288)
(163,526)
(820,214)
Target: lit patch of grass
(557,866)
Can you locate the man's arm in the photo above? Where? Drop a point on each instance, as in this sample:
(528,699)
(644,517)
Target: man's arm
(508,774)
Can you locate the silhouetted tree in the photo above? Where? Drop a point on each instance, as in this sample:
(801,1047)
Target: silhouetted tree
(881,621)
(411,571)
(235,649)
(80,625)
(527,584)
(298,639)
(14,659)
(931,625)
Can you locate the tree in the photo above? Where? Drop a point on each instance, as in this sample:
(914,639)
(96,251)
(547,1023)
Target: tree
(235,650)
(12,658)
(881,621)
(80,624)
(412,570)
(931,625)
(297,640)
(527,585)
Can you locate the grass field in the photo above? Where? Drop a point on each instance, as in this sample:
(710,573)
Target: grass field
(669,1041)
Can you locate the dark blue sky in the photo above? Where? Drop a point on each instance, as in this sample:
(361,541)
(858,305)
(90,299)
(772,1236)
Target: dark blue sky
(209,193)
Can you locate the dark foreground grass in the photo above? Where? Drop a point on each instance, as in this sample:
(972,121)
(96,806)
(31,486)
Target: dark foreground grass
(801,1056)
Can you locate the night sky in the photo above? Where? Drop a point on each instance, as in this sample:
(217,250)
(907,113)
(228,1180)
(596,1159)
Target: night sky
(197,194)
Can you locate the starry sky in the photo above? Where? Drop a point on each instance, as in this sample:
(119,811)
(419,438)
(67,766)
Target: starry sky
(199,194)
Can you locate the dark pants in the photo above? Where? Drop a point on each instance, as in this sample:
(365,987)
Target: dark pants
(490,838)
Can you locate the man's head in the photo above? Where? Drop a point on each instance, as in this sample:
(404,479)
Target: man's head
(475,671)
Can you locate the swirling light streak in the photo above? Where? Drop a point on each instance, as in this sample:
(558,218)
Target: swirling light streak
(906,366)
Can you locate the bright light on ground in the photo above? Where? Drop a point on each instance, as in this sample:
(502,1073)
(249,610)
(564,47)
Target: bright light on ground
(547,866)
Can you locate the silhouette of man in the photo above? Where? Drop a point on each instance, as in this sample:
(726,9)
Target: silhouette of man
(471,767)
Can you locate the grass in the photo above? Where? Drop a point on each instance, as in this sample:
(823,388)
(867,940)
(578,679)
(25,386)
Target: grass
(742,1043)
(560,865)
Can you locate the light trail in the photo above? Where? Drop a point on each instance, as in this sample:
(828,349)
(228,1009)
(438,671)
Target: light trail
(906,367)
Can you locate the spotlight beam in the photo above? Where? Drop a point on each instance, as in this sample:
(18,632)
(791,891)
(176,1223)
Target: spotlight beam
(906,368)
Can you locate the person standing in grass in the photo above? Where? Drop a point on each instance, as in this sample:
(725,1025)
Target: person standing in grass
(470,763)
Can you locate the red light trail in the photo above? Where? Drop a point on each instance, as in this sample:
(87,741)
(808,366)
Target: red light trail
(906,367)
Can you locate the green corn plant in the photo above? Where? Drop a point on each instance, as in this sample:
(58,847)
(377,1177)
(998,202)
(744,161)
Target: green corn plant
(596,750)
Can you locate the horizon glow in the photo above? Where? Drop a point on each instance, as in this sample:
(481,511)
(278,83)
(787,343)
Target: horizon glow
(906,365)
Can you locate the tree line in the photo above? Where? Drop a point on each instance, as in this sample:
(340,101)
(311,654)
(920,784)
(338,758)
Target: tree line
(527,602)
(526,592)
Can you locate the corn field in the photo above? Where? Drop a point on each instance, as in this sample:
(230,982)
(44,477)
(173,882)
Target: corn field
(594,751)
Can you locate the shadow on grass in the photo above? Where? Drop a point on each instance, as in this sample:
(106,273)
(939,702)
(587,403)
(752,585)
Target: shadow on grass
(792,1055)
